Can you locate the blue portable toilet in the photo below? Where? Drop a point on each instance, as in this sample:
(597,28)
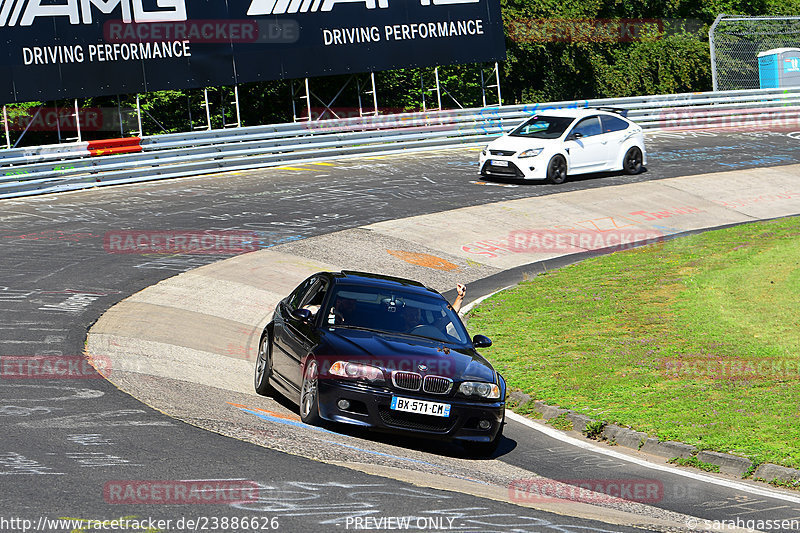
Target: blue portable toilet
(779,67)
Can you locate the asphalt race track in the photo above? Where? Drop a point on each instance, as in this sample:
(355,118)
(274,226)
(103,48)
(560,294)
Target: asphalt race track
(65,441)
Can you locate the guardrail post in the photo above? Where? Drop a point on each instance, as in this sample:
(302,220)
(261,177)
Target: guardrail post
(5,127)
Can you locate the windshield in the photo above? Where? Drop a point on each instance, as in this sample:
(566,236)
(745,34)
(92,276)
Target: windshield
(393,311)
(540,127)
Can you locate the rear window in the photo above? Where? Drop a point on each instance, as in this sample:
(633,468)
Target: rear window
(612,124)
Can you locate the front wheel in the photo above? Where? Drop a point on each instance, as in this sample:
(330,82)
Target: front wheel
(309,395)
(633,161)
(557,170)
(264,366)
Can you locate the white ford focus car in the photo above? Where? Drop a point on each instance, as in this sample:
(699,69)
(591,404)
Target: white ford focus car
(561,142)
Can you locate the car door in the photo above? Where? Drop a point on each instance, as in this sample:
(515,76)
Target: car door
(586,146)
(283,342)
(615,130)
(298,337)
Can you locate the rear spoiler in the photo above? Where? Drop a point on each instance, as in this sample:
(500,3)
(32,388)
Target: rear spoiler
(617,110)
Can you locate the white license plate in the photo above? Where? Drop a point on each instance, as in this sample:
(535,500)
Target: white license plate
(420,407)
(499,163)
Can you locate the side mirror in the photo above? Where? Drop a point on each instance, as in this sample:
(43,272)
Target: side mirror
(574,136)
(481,341)
(302,314)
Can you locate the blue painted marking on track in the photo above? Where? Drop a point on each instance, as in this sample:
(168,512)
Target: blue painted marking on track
(294,423)
(265,416)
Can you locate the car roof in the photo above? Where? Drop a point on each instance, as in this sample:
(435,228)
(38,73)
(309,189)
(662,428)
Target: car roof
(576,112)
(351,277)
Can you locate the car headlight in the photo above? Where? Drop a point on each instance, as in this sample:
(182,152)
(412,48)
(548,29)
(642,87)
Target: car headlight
(356,371)
(530,153)
(483,390)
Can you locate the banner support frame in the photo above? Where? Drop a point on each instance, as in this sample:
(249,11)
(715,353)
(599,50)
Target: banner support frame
(238,110)
(497,80)
(5,127)
(139,115)
(78,121)
(438,89)
(208,109)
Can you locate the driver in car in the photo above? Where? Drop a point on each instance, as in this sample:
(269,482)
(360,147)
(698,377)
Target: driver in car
(343,310)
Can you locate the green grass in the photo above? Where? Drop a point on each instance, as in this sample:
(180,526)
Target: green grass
(606,337)
(561,422)
(695,462)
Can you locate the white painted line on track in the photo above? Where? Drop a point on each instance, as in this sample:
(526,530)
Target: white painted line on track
(556,434)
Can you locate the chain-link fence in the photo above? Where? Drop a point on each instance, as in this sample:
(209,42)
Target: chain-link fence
(736,41)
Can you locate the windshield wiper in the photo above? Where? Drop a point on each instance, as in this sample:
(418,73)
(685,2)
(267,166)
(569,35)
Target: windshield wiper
(362,328)
(386,332)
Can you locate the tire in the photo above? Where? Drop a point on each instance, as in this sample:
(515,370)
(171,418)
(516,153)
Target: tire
(264,366)
(557,170)
(309,395)
(632,163)
(485,449)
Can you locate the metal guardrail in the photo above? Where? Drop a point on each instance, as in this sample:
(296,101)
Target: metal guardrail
(47,169)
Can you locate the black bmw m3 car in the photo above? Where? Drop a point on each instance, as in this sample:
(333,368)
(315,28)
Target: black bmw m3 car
(384,353)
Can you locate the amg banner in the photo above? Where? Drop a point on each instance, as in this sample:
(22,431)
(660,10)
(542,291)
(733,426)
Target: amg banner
(79,48)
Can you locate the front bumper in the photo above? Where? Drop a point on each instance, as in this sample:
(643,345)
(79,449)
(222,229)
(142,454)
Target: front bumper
(530,168)
(370,407)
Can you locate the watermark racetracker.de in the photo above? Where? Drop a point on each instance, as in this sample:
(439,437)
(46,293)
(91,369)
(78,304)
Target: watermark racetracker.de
(190,241)
(609,30)
(570,240)
(180,492)
(582,30)
(54,367)
(592,491)
(732,369)
(771,118)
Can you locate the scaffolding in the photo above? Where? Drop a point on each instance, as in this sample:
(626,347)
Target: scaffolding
(434,93)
